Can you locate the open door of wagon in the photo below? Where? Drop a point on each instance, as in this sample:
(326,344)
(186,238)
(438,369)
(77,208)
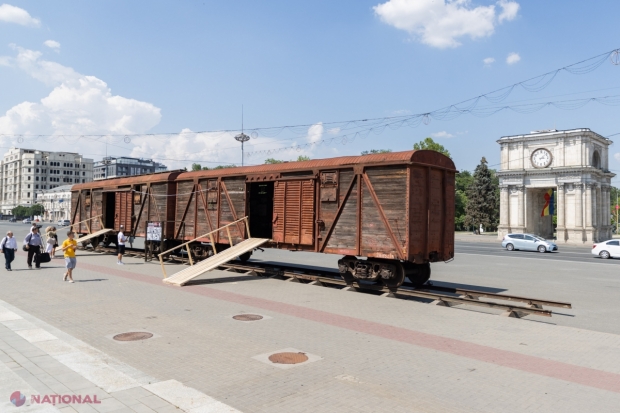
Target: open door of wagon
(293,212)
(123,210)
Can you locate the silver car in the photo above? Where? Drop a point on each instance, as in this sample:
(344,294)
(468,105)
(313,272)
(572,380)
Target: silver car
(527,242)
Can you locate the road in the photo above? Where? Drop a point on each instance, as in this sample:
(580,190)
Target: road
(565,253)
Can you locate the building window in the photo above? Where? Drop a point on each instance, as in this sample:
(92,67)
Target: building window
(36,178)
(83,173)
(29,162)
(37,170)
(29,178)
(37,162)
(36,187)
(28,187)
(83,180)
(28,195)
(29,170)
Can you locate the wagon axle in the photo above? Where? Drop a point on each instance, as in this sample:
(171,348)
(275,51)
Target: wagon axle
(391,273)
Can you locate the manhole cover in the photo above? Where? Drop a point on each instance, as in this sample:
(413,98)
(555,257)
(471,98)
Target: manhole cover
(248,317)
(133,336)
(288,358)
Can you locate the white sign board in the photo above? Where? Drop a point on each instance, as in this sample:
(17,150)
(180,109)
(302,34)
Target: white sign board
(153,231)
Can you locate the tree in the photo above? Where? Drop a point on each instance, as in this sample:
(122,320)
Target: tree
(272,161)
(374,151)
(196,167)
(482,198)
(303,158)
(463,181)
(431,145)
(37,209)
(21,211)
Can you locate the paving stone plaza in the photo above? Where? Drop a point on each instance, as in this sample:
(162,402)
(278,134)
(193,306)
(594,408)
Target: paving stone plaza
(361,353)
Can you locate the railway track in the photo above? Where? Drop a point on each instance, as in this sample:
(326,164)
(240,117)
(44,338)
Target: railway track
(445,296)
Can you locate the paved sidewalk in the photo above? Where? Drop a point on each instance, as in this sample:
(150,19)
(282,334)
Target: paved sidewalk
(38,360)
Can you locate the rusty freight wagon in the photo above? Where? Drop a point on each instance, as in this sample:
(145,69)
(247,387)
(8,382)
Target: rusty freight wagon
(396,210)
(129,201)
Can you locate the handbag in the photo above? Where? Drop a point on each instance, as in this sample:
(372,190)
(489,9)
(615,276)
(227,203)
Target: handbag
(45,257)
(24,248)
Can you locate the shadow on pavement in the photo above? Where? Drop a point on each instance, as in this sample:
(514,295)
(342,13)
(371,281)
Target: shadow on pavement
(468,286)
(226,280)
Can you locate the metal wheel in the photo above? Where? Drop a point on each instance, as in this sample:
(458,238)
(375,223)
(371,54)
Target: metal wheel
(604,255)
(541,248)
(510,247)
(399,277)
(418,274)
(245,256)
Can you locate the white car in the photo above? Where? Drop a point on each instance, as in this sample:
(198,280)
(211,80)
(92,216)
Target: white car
(607,249)
(528,242)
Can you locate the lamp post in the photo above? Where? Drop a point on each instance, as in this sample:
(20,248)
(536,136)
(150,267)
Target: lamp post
(242,137)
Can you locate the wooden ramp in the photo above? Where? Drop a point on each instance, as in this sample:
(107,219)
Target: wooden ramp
(94,234)
(214,261)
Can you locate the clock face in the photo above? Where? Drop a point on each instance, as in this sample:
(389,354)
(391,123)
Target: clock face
(541,158)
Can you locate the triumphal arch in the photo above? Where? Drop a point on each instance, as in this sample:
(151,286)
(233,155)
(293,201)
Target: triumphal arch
(556,173)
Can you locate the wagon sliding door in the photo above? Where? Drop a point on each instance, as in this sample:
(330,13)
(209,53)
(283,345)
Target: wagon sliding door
(293,212)
(123,211)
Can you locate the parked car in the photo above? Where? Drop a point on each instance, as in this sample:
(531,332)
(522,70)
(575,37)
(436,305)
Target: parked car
(527,242)
(27,221)
(607,249)
(12,220)
(63,223)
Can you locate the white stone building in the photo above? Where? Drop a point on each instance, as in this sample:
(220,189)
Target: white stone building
(573,163)
(24,172)
(56,202)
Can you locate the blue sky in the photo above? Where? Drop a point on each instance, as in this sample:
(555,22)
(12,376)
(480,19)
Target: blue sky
(127,68)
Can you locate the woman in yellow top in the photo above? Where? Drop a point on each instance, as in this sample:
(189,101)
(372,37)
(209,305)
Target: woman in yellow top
(69,247)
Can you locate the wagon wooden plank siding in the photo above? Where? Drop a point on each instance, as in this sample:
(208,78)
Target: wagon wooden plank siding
(131,202)
(389,215)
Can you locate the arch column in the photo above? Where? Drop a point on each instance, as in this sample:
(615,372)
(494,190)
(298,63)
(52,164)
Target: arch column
(561,210)
(521,215)
(504,211)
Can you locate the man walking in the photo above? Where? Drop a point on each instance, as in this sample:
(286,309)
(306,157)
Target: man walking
(121,246)
(8,247)
(33,245)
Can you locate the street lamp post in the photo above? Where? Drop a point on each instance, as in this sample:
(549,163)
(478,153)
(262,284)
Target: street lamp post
(242,137)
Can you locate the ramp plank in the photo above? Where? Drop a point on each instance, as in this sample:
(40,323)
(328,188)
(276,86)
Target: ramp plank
(94,234)
(214,261)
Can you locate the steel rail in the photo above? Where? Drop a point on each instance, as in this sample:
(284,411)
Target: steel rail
(516,311)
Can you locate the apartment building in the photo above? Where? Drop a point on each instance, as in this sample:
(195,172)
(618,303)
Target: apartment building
(25,172)
(56,202)
(112,167)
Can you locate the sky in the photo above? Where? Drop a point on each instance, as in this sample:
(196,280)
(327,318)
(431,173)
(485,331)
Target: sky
(168,79)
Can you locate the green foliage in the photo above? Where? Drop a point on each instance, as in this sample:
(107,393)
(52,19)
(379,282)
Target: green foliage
(206,168)
(26,212)
(483,198)
(196,167)
(272,161)
(374,151)
(303,158)
(431,145)
(463,181)
(37,209)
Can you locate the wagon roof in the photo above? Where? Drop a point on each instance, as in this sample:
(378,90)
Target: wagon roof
(130,180)
(425,157)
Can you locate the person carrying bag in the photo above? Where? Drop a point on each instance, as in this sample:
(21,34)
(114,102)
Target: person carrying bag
(8,245)
(33,244)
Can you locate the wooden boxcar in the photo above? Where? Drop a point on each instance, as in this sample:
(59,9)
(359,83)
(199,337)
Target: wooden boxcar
(395,210)
(129,201)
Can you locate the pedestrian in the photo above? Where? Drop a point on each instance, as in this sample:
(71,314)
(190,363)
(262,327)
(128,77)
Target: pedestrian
(69,247)
(51,235)
(121,245)
(33,245)
(8,245)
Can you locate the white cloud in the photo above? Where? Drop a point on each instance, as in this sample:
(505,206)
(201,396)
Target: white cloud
(442,134)
(488,60)
(513,58)
(439,23)
(52,44)
(77,105)
(509,10)
(617,156)
(12,14)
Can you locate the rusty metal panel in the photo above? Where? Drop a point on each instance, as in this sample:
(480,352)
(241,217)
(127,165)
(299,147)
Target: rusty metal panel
(436,212)
(232,204)
(279,198)
(184,218)
(329,186)
(96,208)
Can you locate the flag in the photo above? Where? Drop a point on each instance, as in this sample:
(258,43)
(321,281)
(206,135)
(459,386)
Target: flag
(548,208)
